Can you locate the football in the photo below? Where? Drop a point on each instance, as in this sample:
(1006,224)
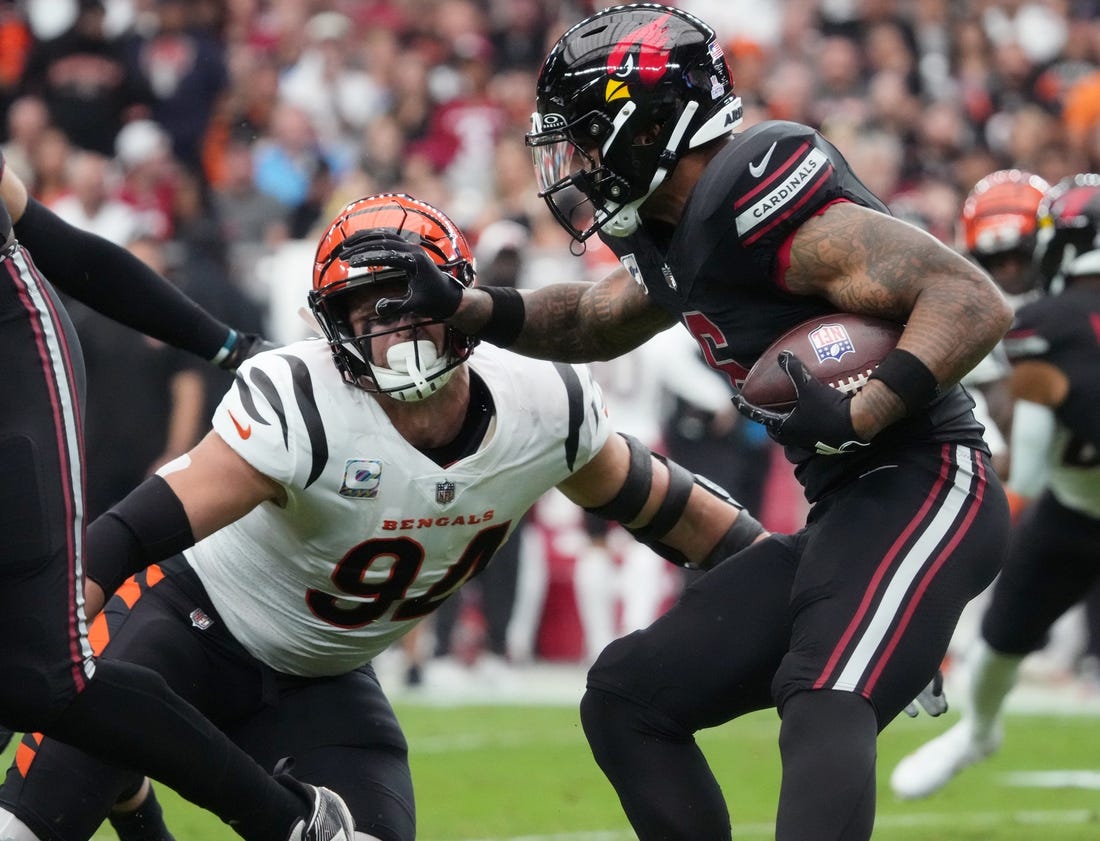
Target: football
(840,350)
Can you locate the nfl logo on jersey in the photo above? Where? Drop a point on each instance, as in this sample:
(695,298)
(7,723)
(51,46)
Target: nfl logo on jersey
(831,341)
(444,492)
(361,478)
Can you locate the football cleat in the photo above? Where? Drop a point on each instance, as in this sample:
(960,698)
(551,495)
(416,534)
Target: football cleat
(328,819)
(934,764)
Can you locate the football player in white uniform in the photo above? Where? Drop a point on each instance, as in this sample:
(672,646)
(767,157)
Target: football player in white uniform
(330,509)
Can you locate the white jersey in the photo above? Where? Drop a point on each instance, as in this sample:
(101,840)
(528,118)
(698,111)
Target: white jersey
(374,534)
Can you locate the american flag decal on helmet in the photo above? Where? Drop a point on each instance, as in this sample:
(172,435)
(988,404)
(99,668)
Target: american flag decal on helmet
(831,341)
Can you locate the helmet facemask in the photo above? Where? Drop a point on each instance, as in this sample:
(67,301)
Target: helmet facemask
(344,283)
(621,98)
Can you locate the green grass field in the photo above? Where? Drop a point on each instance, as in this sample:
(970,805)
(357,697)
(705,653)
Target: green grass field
(523,773)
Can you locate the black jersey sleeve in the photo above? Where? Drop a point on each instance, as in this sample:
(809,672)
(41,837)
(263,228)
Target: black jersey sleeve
(778,175)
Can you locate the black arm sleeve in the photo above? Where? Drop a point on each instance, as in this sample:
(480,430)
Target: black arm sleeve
(111,280)
(148,526)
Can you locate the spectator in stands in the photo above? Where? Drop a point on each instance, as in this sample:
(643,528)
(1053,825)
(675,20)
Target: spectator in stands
(184,67)
(83,77)
(90,203)
(27,121)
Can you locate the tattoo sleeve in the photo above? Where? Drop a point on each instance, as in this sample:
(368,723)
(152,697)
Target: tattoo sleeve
(866,262)
(583,322)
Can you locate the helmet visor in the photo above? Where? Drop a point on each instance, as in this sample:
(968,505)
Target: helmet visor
(554,155)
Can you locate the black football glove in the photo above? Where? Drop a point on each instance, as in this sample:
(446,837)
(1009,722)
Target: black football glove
(821,420)
(432,292)
(931,699)
(246,346)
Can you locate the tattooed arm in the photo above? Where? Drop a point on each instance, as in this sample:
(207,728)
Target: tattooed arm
(575,322)
(865,262)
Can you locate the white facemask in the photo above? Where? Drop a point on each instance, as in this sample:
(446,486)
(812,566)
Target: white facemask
(412,366)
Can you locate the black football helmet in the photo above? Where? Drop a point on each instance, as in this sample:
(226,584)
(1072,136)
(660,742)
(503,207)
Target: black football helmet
(414,369)
(621,96)
(1069,226)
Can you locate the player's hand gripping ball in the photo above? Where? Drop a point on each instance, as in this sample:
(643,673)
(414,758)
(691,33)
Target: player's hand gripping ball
(839,350)
(801,386)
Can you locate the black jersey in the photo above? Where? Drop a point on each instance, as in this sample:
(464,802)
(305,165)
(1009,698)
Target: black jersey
(1064,331)
(721,273)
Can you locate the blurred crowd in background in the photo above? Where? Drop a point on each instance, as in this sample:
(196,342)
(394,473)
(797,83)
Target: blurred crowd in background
(216,139)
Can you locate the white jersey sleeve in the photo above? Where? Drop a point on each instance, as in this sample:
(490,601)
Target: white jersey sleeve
(270,418)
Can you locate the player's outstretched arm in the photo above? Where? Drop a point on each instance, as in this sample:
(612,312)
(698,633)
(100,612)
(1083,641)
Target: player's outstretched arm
(190,498)
(566,321)
(111,280)
(683,517)
(581,322)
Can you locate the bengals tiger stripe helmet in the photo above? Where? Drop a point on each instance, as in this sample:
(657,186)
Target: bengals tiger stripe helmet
(415,369)
(999,214)
(999,225)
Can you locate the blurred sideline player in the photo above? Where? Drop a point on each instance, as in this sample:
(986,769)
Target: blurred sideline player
(1053,559)
(334,506)
(998,229)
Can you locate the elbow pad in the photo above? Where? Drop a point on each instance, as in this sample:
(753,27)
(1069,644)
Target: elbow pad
(631,498)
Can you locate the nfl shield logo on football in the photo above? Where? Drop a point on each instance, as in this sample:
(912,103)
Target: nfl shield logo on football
(831,341)
(362,477)
(444,492)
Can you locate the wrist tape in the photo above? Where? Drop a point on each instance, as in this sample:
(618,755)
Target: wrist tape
(909,378)
(506,321)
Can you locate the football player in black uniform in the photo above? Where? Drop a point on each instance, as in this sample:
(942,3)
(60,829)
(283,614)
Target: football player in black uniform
(740,237)
(1054,348)
(49,680)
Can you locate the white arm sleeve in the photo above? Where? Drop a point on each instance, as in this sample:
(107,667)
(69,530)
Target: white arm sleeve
(1033,427)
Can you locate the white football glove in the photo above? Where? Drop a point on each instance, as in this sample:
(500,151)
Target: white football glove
(931,699)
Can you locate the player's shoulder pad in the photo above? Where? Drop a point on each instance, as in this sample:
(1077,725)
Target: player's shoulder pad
(768,171)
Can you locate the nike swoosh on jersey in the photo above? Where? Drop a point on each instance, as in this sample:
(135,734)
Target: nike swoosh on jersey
(244,431)
(756,170)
